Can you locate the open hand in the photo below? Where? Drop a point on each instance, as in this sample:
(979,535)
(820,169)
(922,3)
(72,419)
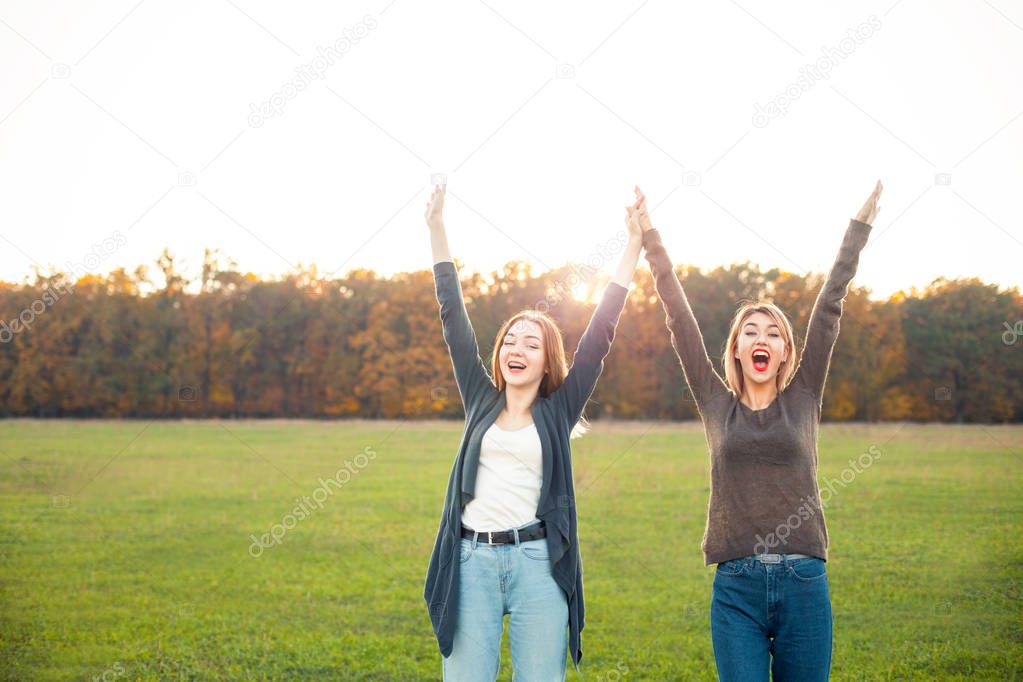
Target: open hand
(435,207)
(641,209)
(632,224)
(870,209)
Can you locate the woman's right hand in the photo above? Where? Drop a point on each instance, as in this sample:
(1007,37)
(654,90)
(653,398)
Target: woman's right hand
(641,210)
(632,224)
(435,208)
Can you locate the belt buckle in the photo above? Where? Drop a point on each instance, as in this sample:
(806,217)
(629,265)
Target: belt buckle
(769,558)
(490,537)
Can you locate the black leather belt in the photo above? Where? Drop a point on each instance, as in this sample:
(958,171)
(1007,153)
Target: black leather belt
(507,537)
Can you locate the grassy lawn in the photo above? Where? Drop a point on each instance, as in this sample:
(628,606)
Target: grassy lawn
(126,550)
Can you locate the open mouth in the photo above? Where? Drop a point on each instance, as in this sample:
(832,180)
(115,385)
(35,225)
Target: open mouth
(515,367)
(761,359)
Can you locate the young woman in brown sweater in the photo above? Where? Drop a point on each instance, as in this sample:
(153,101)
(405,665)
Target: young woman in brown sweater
(770,608)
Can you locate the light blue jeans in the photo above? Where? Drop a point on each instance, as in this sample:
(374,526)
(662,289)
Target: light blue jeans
(512,579)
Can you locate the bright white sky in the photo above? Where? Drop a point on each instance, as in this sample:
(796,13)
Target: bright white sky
(135,117)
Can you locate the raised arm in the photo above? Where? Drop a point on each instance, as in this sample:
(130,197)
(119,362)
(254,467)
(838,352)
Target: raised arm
(704,381)
(595,343)
(470,372)
(822,330)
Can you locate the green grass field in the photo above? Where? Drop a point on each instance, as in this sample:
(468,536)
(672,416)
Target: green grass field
(125,551)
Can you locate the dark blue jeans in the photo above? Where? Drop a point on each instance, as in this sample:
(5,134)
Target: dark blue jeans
(763,611)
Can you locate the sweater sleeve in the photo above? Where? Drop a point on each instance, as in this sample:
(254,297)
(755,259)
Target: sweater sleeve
(822,330)
(470,373)
(594,345)
(704,382)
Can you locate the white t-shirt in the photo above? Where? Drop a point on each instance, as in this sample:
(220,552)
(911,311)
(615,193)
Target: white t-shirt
(508,480)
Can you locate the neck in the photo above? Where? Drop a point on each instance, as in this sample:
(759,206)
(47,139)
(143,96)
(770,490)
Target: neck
(519,399)
(758,396)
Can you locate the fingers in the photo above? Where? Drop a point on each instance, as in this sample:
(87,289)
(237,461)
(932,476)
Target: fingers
(643,215)
(875,196)
(640,197)
(436,203)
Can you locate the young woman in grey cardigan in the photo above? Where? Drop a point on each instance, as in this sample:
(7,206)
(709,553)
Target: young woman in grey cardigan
(770,608)
(507,541)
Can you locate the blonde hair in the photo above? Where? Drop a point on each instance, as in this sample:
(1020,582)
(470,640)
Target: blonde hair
(733,368)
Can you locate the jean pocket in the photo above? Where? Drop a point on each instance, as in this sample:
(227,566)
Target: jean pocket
(732,567)
(808,570)
(465,550)
(536,551)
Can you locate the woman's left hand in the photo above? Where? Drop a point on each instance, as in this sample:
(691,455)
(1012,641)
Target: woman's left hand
(870,209)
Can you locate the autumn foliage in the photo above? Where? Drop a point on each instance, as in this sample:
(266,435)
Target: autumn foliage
(232,345)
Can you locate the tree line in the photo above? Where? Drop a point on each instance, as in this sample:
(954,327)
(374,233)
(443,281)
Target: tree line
(362,345)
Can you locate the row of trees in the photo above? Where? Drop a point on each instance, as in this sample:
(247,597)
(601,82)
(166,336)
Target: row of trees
(362,345)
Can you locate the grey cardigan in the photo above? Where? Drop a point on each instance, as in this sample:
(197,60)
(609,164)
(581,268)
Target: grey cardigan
(554,417)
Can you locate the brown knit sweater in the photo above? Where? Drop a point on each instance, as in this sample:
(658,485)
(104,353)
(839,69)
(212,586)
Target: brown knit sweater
(763,463)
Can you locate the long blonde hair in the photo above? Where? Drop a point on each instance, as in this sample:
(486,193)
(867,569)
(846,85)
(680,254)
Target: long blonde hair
(733,368)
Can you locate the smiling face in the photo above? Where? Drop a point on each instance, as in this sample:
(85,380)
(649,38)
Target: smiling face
(761,348)
(522,357)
